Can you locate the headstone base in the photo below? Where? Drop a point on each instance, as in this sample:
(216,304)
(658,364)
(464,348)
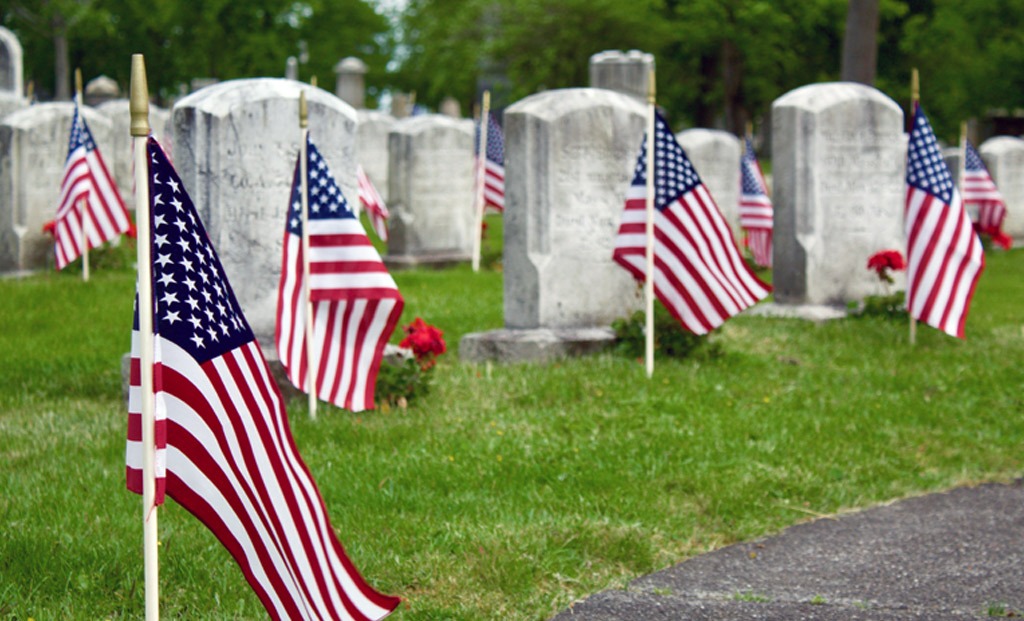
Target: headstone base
(810,312)
(436,260)
(534,345)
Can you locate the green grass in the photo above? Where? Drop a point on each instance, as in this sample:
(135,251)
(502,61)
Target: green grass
(508,491)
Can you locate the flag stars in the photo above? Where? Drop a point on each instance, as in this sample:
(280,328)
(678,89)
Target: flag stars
(172,317)
(198,340)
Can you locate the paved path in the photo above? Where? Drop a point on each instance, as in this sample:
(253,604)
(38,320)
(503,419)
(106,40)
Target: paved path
(954,555)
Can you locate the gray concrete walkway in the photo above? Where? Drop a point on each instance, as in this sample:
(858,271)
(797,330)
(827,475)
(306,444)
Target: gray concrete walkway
(954,555)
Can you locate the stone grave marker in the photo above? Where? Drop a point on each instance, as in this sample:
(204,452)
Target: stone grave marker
(839,167)
(623,72)
(570,156)
(12,96)
(372,146)
(1004,158)
(716,156)
(119,157)
(430,191)
(235,147)
(33,149)
(350,84)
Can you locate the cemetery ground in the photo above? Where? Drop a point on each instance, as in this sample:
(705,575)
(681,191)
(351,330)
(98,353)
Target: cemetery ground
(506,492)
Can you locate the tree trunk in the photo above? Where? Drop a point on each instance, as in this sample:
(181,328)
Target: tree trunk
(732,86)
(860,43)
(62,76)
(704,115)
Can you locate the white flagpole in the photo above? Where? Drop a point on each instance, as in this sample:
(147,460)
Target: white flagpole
(915,97)
(962,170)
(139,107)
(83,219)
(481,174)
(311,357)
(649,275)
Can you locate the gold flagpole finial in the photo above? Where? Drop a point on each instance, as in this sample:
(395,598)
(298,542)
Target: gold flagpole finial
(312,81)
(138,103)
(650,87)
(303,111)
(78,82)
(750,129)
(915,88)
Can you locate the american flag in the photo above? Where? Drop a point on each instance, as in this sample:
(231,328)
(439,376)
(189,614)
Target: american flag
(494,165)
(698,273)
(755,207)
(373,202)
(944,255)
(224,449)
(89,196)
(356,303)
(979,189)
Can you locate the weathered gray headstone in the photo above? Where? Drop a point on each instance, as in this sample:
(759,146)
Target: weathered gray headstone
(11,93)
(623,72)
(291,68)
(372,146)
(450,107)
(430,191)
(119,157)
(839,162)
(101,89)
(570,156)
(401,105)
(716,156)
(952,157)
(351,81)
(235,147)
(1004,158)
(33,149)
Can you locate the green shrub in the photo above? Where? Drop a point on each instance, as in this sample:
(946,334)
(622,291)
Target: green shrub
(670,339)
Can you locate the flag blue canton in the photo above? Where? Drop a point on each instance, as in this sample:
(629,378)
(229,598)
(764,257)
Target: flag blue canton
(80,135)
(750,183)
(325,197)
(674,175)
(926,169)
(193,304)
(973,161)
(495,142)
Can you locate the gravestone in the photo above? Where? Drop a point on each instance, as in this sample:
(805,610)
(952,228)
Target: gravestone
(952,156)
(716,156)
(235,147)
(291,68)
(623,72)
(430,191)
(402,105)
(33,149)
(1004,158)
(119,157)
(372,146)
(450,107)
(101,89)
(350,85)
(839,167)
(12,96)
(570,156)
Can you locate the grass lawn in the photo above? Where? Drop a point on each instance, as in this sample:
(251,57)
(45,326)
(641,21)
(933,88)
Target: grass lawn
(507,492)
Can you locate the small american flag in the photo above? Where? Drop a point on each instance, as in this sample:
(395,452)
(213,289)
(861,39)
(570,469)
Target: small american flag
(88,196)
(699,274)
(356,303)
(755,207)
(494,165)
(224,450)
(373,202)
(944,255)
(979,189)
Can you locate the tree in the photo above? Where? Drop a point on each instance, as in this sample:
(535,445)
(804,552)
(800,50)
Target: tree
(860,44)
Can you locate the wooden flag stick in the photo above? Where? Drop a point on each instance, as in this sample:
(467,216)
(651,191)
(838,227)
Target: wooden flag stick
(139,109)
(915,97)
(481,178)
(83,214)
(311,357)
(649,274)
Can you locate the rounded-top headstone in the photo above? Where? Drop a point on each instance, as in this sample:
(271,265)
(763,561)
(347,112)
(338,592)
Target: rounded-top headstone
(430,190)
(33,150)
(101,89)
(715,154)
(11,63)
(1004,158)
(839,168)
(350,85)
(235,146)
(570,156)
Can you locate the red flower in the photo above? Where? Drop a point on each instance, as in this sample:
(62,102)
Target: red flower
(998,237)
(886,260)
(50,228)
(425,341)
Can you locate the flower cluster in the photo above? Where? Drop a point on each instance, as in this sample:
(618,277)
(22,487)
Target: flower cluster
(425,341)
(995,234)
(884,261)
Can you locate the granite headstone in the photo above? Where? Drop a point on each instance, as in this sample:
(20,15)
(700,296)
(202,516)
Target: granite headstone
(372,146)
(1004,158)
(716,156)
